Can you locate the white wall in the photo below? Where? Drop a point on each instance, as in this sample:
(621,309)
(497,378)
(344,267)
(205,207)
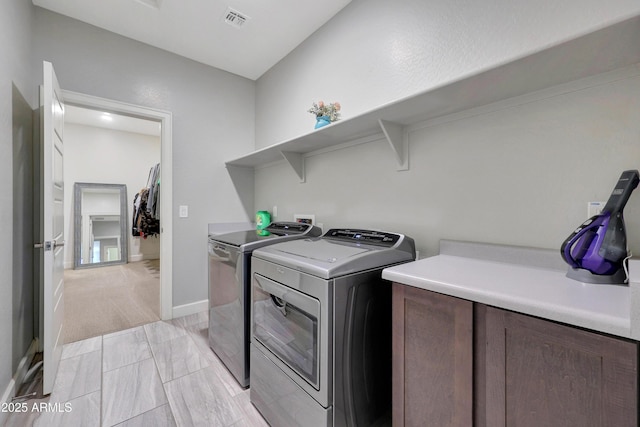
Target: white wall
(213,115)
(521,175)
(376,51)
(17,100)
(103,204)
(107,156)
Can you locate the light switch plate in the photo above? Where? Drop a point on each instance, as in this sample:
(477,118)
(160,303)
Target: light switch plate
(184,211)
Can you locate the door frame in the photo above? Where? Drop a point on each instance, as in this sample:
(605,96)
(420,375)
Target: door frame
(166,189)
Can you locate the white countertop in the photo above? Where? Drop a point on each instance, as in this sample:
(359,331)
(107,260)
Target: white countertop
(536,291)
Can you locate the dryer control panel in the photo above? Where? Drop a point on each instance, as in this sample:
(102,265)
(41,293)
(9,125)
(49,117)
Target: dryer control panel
(371,237)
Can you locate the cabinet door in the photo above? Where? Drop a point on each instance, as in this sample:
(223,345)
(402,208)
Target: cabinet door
(540,373)
(432,359)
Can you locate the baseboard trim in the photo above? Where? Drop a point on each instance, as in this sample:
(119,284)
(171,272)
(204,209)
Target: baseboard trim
(143,257)
(191,308)
(18,377)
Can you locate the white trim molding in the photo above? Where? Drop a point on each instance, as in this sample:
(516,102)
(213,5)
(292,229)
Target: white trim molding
(143,257)
(191,308)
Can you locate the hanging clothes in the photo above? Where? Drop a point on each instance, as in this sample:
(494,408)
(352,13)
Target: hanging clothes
(153,184)
(146,212)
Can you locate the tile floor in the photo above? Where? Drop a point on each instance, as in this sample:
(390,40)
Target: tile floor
(159,374)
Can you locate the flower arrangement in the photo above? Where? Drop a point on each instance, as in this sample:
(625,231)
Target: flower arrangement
(321,109)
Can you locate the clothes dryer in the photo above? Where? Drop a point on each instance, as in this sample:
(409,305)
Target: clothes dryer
(229,289)
(321,328)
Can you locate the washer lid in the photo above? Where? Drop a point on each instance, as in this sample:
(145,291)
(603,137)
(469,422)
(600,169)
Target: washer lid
(278,231)
(329,257)
(324,251)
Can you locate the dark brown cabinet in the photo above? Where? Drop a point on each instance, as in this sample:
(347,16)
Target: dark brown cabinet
(432,359)
(539,373)
(458,363)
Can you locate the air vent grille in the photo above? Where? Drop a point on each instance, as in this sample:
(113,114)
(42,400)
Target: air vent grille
(235,18)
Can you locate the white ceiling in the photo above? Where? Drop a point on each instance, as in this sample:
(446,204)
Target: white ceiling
(96,118)
(196,29)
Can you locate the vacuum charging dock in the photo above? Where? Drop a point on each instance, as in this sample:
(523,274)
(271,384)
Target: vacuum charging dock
(597,250)
(585,276)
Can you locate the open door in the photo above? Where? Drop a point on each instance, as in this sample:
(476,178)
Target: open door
(52,220)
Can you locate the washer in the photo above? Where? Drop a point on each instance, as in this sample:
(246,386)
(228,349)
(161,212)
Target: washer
(229,289)
(321,328)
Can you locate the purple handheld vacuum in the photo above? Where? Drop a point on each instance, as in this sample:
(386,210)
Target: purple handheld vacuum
(596,250)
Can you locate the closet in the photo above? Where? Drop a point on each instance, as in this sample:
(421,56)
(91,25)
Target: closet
(146,207)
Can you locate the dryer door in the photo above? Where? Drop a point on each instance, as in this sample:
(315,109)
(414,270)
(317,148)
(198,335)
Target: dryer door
(286,322)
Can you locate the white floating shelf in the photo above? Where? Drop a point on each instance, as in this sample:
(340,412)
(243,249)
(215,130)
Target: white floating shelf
(605,50)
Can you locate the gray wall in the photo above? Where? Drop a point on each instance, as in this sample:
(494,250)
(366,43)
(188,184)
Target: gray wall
(521,175)
(24,280)
(375,52)
(17,96)
(213,115)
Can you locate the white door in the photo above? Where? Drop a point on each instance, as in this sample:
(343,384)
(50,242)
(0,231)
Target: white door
(53,225)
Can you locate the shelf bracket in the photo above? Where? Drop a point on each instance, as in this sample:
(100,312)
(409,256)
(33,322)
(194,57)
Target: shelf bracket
(296,161)
(398,139)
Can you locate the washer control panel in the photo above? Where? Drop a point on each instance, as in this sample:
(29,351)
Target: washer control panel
(371,237)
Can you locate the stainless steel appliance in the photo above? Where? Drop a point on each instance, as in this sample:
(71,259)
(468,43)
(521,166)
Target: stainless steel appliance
(321,328)
(229,289)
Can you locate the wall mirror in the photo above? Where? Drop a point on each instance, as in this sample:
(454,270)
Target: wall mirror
(100,224)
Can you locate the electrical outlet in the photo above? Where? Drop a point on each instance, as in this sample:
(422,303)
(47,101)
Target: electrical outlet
(594,208)
(184,211)
(274,212)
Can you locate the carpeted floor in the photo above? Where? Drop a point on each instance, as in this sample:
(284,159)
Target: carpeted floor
(102,300)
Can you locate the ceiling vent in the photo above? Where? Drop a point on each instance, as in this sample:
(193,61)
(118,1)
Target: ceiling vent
(235,18)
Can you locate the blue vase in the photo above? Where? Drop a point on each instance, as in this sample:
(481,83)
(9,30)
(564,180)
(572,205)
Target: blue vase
(322,121)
